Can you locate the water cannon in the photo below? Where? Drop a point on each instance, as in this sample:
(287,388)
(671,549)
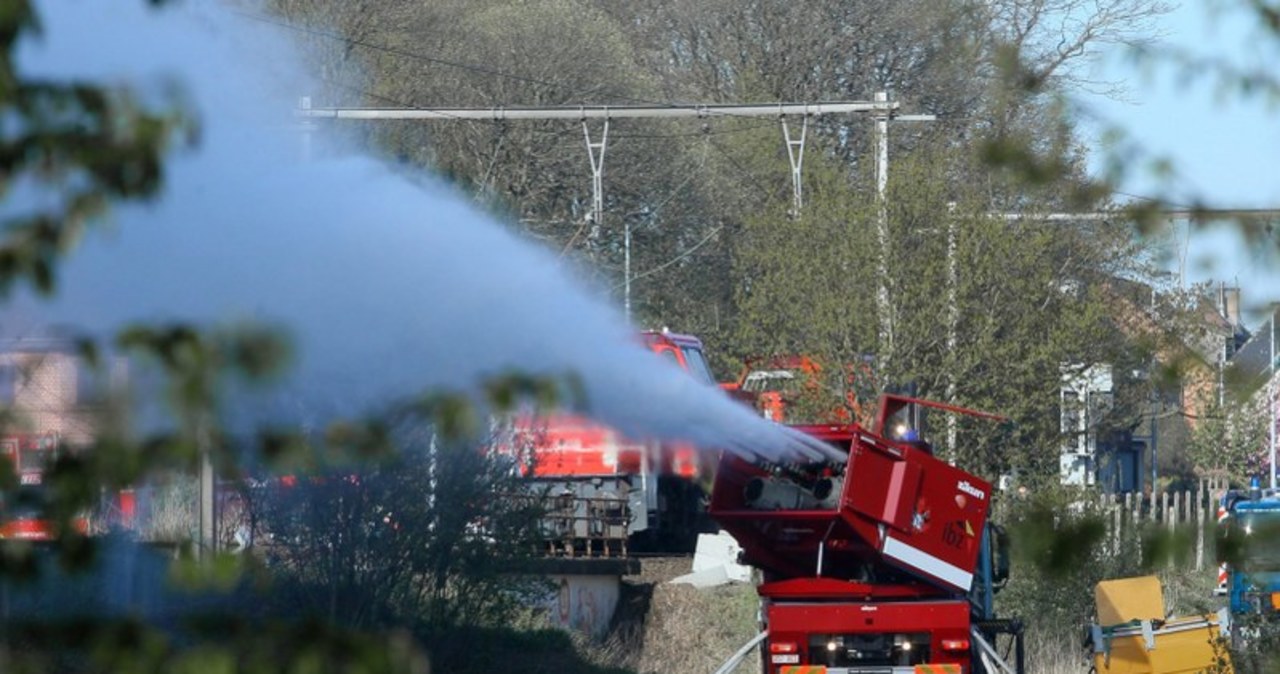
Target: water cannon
(771,493)
(795,486)
(888,508)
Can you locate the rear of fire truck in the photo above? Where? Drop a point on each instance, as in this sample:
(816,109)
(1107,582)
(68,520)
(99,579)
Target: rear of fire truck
(882,562)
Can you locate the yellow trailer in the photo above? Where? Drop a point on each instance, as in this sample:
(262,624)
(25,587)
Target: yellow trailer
(1134,636)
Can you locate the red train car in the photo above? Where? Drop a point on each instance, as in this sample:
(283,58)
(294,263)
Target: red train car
(24,509)
(607,487)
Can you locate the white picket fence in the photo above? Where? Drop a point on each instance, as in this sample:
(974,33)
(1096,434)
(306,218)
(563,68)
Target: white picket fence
(1128,515)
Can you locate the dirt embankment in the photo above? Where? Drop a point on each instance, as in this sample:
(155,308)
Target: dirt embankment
(662,627)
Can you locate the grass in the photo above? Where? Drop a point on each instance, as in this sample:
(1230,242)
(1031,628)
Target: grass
(1056,645)
(680,628)
(663,628)
(700,628)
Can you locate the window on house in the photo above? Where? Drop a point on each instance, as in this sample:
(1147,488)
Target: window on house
(1072,421)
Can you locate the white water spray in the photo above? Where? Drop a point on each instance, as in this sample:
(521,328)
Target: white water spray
(387,285)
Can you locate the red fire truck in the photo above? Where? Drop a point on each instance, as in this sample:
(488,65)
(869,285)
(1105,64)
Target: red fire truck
(609,492)
(796,390)
(882,562)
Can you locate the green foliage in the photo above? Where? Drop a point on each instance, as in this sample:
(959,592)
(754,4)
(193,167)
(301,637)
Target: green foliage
(1061,550)
(76,147)
(1229,441)
(1258,649)
(198,363)
(1055,542)
(984,312)
(803,286)
(430,537)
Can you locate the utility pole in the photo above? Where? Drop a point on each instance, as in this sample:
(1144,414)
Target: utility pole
(208,485)
(881,107)
(884,304)
(953,330)
(883,307)
(307,127)
(795,155)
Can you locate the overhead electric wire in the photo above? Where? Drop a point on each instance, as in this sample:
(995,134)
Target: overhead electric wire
(396,51)
(689,134)
(692,249)
(741,169)
(364,92)
(700,132)
(683,254)
(1146,198)
(404,53)
(702,164)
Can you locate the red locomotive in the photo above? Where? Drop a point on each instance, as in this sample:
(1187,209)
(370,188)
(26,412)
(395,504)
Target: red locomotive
(24,509)
(609,493)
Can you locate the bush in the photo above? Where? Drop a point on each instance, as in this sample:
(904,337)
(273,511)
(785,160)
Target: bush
(433,536)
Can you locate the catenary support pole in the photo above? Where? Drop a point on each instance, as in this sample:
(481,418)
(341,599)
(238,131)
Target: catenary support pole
(883,308)
(208,496)
(953,330)
(595,153)
(884,303)
(795,155)
(308,128)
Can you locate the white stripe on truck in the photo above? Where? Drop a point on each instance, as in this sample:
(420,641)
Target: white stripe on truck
(922,561)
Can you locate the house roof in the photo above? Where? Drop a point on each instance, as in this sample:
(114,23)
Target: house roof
(1253,360)
(1143,309)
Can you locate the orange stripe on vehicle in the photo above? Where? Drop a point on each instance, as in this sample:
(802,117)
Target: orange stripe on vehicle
(937,669)
(803,669)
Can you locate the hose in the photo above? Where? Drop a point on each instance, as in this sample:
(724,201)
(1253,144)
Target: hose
(736,659)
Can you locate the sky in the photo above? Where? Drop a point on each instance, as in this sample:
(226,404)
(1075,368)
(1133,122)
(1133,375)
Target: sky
(1223,148)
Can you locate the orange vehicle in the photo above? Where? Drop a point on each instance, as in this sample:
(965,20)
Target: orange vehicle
(795,389)
(24,510)
(646,491)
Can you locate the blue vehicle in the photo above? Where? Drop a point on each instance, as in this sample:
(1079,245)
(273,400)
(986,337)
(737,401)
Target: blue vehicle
(1253,534)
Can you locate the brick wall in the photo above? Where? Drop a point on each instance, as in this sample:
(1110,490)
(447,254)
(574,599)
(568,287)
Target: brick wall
(44,390)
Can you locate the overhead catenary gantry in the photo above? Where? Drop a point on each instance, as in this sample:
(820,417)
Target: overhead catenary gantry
(882,109)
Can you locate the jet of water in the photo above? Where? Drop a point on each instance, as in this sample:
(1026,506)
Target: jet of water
(389,284)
